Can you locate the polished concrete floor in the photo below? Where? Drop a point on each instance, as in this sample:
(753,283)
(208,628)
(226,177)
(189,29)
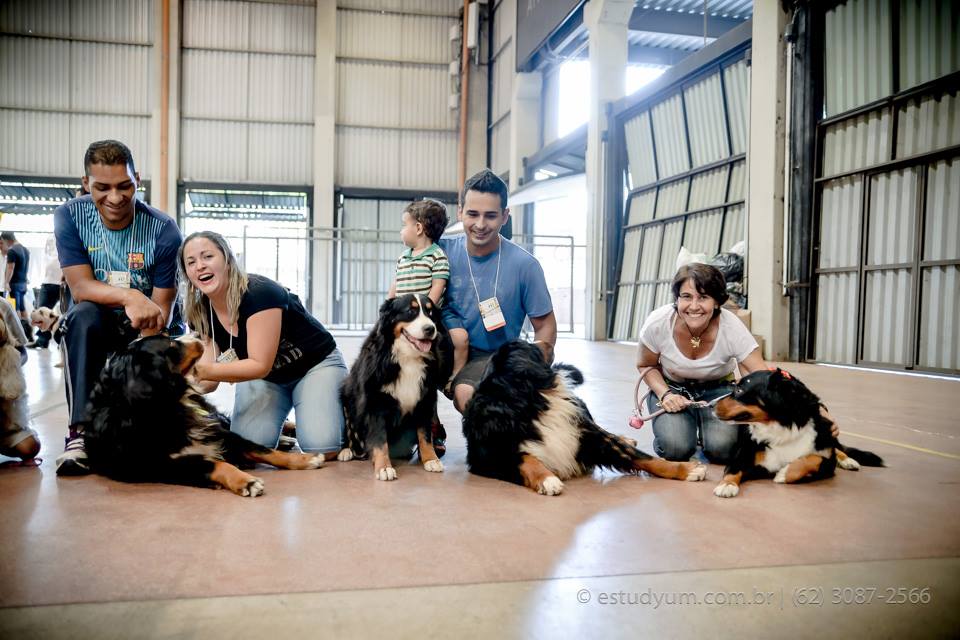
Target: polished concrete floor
(333,552)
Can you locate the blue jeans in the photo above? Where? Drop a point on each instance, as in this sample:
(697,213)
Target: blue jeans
(18,292)
(260,407)
(676,435)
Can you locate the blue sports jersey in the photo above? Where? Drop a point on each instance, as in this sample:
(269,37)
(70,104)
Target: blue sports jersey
(521,290)
(147,248)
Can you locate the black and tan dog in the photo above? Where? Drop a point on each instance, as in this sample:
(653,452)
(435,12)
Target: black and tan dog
(785,433)
(390,393)
(149,424)
(525,426)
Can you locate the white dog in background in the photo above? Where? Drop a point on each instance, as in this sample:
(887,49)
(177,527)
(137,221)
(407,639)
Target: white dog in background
(47,319)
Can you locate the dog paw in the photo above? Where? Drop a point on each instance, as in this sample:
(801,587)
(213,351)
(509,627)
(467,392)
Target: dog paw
(387,473)
(697,473)
(726,490)
(252,489)
(433,465)
(551,486)
(781,476)
(315,462)
(345,455)
(848,463)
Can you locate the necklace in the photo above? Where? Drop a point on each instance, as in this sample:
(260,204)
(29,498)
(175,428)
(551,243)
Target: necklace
(694,340)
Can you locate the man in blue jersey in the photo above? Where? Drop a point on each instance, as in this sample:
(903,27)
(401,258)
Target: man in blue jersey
(495,285)
(119,258)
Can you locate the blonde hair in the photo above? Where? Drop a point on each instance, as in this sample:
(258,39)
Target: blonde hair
(196,306)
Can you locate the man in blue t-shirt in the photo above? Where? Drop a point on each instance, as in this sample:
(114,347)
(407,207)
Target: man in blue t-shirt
(15,276)
(119,258)
(494,284)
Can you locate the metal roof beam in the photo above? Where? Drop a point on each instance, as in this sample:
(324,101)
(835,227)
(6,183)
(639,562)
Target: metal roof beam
(681,24)
(645,54)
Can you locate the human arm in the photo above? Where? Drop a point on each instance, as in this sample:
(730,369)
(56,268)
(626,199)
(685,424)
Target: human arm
(392,293)
(263,340)
(436,290)
(163,298)
(440,272)
(545,334)
(143,312)
(209,356)
(670,401)
(753,362)
(8,275)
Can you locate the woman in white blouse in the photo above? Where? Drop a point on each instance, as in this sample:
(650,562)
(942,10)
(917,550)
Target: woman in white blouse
(695,345)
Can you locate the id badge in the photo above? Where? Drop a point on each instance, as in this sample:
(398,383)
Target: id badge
(120,279)
(230,355)
(492,315)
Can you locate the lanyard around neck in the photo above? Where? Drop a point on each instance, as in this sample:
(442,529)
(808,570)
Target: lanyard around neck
(106,244)
(496,280)
(212,331)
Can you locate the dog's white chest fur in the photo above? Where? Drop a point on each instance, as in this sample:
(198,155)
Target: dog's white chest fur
(784,445)
(407,389)
(559,435)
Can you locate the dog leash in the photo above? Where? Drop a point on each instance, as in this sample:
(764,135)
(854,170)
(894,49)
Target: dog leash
(637,420)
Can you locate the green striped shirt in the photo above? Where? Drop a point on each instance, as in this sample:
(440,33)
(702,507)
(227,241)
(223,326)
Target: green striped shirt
(415,274)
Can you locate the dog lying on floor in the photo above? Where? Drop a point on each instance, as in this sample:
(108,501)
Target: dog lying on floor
(525,426)
(149,424)
(391,391)
(788,434)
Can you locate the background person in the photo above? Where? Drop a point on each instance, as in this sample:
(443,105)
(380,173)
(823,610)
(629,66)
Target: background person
(49,289)
(15,277)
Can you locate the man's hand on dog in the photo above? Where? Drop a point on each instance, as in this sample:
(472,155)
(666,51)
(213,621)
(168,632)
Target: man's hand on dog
(143,312)
(546,349)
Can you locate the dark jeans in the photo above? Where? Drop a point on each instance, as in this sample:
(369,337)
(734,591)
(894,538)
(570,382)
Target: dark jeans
(18,293)
(676,435)
(91,334)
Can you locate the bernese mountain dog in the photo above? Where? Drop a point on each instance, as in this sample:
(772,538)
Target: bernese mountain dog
(787,434)
(525,426)
(390,394)
(148,423)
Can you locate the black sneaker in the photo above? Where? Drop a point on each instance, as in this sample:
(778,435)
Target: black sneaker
(73,460)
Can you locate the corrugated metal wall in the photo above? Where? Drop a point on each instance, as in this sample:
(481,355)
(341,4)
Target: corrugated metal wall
(502,64)
(368,251)
(869,295)
(857,58)
(63,66)
(686,127)
(395,129)
(247,92)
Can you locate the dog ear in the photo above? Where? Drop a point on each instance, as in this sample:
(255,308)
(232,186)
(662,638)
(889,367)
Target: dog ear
(385,305)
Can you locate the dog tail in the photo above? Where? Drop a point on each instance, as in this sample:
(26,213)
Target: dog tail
(600,448)
(572,375)
(865,458)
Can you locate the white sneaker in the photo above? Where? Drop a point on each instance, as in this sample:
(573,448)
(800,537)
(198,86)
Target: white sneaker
(73,460)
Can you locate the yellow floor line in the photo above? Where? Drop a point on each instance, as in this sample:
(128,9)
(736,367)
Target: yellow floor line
(901,444)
